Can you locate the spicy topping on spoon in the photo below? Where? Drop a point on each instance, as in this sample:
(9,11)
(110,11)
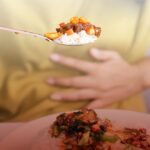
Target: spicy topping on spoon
(77,31)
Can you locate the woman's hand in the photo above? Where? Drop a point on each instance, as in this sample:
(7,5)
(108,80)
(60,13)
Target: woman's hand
(106,82)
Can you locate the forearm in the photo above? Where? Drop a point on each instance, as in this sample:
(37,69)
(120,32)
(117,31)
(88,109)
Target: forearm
(144,69)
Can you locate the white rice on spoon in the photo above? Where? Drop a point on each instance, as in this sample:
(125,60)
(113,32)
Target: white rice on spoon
(76,38)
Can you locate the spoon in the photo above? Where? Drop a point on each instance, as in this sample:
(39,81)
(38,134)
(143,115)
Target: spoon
(33,34)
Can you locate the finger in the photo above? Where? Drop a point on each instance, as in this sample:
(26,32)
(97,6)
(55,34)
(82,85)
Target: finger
(76,82)
(98,103)
(103,55)
(84,94)
(77,64)
(110,97)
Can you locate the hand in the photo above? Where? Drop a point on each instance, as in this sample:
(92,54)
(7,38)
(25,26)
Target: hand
(106,82)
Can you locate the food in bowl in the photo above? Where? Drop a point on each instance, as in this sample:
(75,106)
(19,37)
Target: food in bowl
(77,32)
(84,130)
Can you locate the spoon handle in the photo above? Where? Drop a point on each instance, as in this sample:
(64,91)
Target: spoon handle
(23,32)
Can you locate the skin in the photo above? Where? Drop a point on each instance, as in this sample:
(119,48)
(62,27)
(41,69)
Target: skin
(108,81)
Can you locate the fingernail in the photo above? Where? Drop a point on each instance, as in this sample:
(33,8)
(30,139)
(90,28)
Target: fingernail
(51,81)
(95,51)
(56,97)
(55,57)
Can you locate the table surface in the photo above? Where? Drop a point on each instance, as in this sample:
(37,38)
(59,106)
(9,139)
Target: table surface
(7,128)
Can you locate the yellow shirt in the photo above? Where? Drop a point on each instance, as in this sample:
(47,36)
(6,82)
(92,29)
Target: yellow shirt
(24,60)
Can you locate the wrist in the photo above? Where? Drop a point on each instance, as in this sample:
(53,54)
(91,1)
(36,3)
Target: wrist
(138,79)
(144,74)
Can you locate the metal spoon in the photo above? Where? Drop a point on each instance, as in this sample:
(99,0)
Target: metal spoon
(33,34)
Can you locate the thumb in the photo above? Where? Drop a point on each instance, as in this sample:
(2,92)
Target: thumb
(98,103)
(103,55)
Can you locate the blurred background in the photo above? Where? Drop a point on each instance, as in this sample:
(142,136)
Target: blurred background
(146,93)
(24,60)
